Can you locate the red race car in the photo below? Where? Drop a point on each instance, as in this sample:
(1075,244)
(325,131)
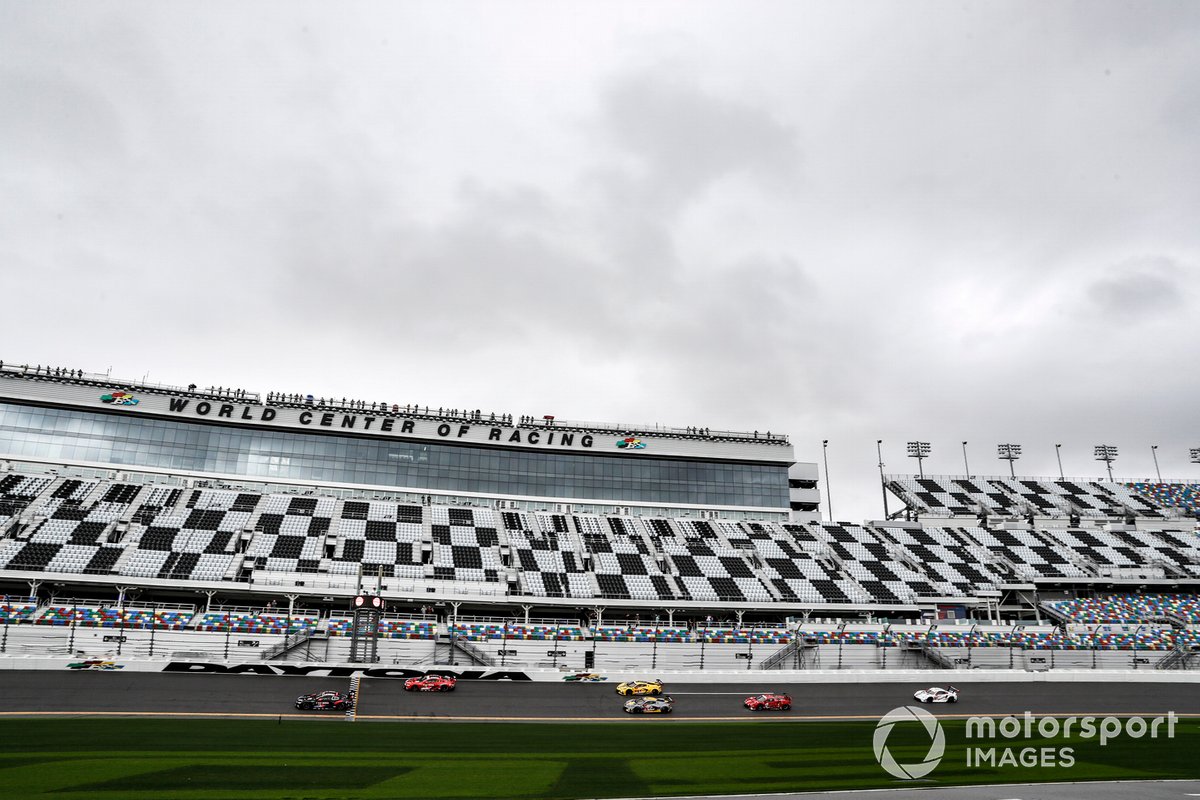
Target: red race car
(760,702)
(431,683)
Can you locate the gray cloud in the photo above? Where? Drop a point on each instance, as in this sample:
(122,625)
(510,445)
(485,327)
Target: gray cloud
(1139,290)
(685,139)
(971,223)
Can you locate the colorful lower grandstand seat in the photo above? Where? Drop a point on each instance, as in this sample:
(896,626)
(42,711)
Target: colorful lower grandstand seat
(631,633)
(15,613)
(1130,608)
(776,636)
(406,629)
(1183,496)
(250,622)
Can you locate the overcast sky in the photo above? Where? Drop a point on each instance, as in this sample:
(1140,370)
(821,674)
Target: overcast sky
(942,221)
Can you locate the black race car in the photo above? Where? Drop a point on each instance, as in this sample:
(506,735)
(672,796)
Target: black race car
(325,701)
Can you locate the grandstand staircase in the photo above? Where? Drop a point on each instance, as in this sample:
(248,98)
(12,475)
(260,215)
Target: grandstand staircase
(133,535)
(1090,567)
(1055,613)
(1170,568)
(931,654)
(799,653)
(449,646)
(47,494)
(26,523)
(294,641)
(1179,658)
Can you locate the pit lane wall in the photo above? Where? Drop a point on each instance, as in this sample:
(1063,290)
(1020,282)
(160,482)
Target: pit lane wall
(757,678)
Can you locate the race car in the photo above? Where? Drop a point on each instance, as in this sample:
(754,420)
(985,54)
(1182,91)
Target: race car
(640,687)
(325,701)
(650,705)
(431,683)
(584,677)
(936,694)
(760,702)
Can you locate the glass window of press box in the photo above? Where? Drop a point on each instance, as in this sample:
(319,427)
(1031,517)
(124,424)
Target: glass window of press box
(57,434)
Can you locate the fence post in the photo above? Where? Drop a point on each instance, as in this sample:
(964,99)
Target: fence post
(71,638)
(153,627)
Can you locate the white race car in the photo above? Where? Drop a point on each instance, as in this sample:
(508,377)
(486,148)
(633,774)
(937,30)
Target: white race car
(936,694)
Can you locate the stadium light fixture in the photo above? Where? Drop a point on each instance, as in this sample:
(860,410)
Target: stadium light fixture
(1009,453)
(828,493)
(1108,454)
(1154,454)
(966,466)
(882,482)
(1195,454)
(919,451)
(1058,455)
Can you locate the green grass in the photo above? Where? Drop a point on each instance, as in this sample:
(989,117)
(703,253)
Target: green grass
(140,759)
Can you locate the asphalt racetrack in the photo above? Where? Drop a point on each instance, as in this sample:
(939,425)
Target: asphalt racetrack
(154,694)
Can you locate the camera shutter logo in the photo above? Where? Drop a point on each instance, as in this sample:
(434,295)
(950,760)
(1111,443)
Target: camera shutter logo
(937,746)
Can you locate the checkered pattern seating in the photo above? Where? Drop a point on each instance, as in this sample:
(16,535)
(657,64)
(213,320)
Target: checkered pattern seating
(626,566)
(951,496)
(466,544)
(950,558)
(545,551)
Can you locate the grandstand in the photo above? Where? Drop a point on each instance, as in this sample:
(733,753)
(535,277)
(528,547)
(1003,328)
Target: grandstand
(247,526)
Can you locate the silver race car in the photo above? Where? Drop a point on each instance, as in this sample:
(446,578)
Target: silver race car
(936,694)
(650,705)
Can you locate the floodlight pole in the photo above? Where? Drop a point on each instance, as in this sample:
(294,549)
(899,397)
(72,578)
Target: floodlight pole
(966,466)
(1108,454)
(882,482)
(919,451)
(828,492)
(1058,455)
(1009,453)
(1154,453)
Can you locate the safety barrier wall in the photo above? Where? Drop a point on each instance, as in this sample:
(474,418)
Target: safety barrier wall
(640,657)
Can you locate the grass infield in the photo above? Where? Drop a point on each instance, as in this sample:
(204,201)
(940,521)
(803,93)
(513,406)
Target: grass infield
(140,759)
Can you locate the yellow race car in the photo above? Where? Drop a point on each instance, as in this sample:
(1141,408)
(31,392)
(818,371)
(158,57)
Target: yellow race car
(640,687)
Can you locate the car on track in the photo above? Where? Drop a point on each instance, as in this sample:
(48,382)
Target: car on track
(325,701)
(768,700)
(96,664)
(936,694)
(629,688)
(431,683)
(584,677)
(664,704)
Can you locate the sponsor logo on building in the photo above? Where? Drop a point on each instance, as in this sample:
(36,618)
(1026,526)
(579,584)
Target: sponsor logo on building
(631,443)
(119,399)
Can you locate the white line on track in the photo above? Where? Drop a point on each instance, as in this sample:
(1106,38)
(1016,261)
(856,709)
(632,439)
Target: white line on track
(229,715)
